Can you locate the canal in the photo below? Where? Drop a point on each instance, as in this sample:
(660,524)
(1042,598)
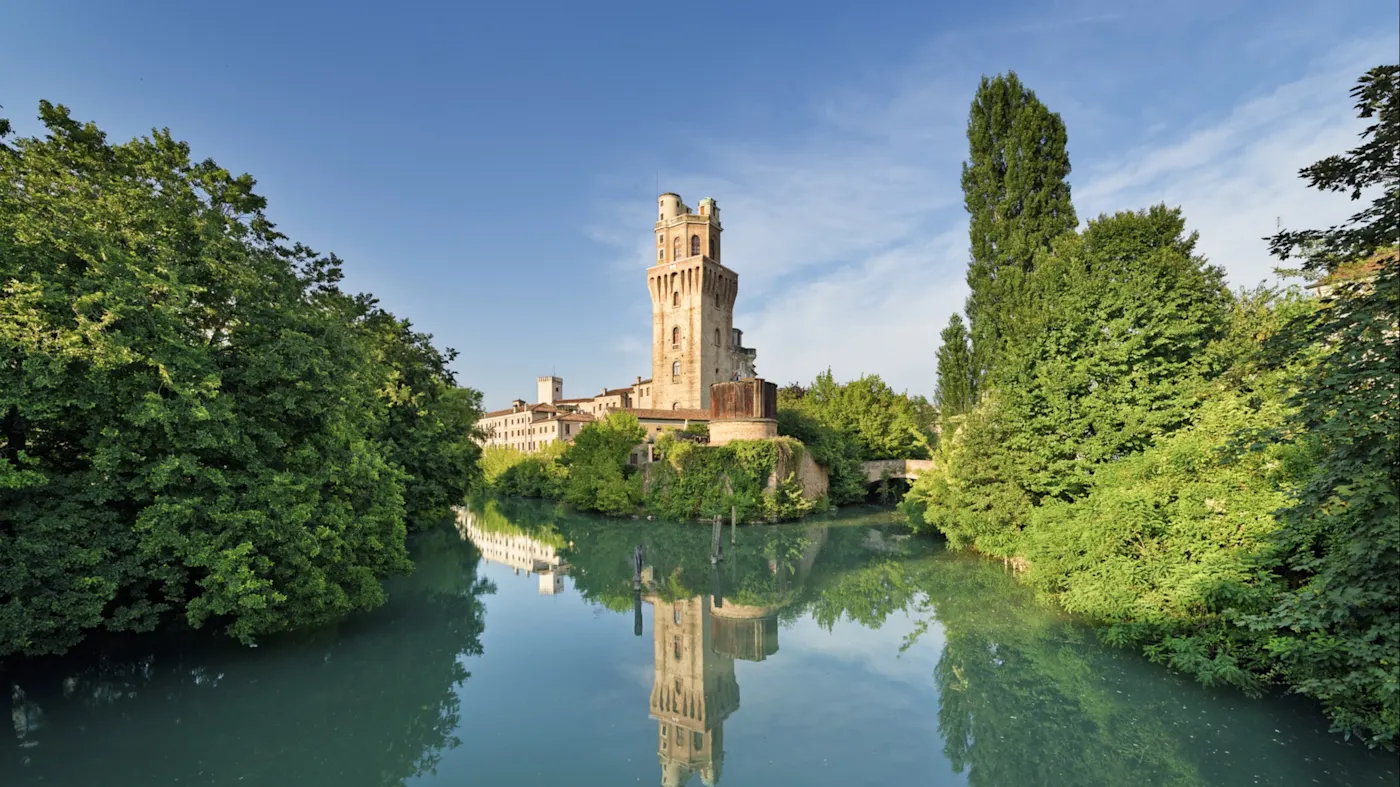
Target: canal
(523,651)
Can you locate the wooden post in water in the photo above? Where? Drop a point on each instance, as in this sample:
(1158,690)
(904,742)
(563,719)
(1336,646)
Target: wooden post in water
(716,531)
(733,509)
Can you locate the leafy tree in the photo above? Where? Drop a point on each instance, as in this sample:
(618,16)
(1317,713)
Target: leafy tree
(1015,190)
(430,423)
(957,380)
(881,423)
(1113,357)
(1374,164)
(195,424)
(1335,626)
(600,478)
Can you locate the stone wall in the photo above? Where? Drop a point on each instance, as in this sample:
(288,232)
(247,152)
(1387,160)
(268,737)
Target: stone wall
(810,475)
(722,432)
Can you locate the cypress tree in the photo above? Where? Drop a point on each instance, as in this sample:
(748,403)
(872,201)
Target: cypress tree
(1014,187)
(956,389)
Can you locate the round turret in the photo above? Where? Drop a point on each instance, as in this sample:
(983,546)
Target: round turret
(669,206)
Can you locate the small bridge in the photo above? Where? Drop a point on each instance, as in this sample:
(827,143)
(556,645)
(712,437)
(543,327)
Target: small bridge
(879,469)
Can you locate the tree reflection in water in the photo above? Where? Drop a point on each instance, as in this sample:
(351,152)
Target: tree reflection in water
(371,701)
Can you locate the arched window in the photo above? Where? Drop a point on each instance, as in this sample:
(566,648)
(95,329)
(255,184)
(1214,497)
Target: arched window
(697,741)
(694,245)
(676,248)
(716,300)
(675,372)
(675,299)
(716,337)
(675,336)
(676,405)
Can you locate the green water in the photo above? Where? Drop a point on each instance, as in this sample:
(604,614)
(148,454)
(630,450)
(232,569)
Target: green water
(835,652)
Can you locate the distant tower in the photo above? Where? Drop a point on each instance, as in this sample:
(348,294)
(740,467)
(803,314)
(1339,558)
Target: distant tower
(551,390)
(693,692)
(694,343)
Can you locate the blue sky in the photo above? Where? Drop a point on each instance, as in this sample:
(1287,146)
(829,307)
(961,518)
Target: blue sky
(489,170)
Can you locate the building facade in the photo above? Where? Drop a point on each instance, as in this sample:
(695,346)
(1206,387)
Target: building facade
(694,345)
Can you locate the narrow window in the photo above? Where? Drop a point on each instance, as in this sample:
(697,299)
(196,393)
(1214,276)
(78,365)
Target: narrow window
(694,245)
(675,337)
(717,335)
(675,372)
(676,298)
(676,248)
(716,300)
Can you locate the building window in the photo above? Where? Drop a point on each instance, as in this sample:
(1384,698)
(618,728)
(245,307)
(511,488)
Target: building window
(694,245)
(716,337)
(676,615)
(676,248)
(716,300)
(697,741)
(661,239)
(660,254)
(714,246)
(676,298)
(675,405)
(676,648)
(675,370)
(676,337)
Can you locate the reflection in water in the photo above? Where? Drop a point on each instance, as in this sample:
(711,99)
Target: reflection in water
(1024,696)
(989,689)
(372,701)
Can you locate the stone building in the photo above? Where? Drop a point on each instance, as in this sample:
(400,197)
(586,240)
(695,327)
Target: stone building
(694,345)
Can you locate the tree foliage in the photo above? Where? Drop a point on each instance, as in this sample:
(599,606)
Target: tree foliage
(882,424)
(1211,478)
(196,424)
(957,380)
(1018,200)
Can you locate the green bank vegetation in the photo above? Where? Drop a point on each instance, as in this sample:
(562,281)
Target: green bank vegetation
(1211,476)
(838,425)
(197,426)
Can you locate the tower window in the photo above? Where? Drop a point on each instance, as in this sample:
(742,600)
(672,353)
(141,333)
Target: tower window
(716,337)
(716,305)
(660,254)
(694,245)
(675,337)
(675,373)
(676,248)
(675,299)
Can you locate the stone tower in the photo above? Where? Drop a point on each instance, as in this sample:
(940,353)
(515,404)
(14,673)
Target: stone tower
(693,693)
(694,342)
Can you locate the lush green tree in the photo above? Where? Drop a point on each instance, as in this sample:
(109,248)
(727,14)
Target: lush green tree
(1371,165)
(1018,200)
(430,423)
(196,425)
(599,475)
(1334,629)
(1113,356)
(957,380)
(883,424)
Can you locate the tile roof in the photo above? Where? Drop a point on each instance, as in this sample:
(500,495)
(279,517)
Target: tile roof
(575,417)
(668,415)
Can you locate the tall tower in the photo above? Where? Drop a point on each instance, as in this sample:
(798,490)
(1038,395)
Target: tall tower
(694,343)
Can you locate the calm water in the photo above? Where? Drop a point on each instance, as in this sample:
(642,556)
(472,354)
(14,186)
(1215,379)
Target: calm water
(830,653)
